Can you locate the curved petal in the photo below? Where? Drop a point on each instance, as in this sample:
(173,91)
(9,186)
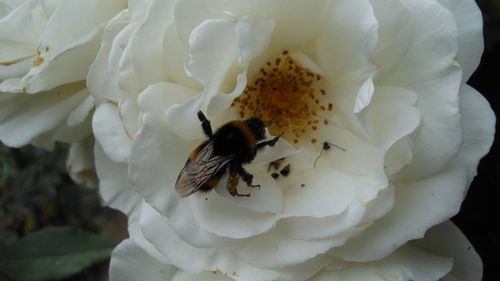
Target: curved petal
(407,263)
(81,112)
(68,42)
(80,163)
(427,202)
(220,51)
(296,21)
(114,186)
(144,60)
(429,69)
(448,241)
(470,34)
(345,43)
(193,259)
(109,132)
(130,263)
(20,30)
(36,114)
(102,77)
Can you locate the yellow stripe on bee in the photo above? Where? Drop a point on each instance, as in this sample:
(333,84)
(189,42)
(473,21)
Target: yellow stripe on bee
(212,182)
(195,151)
(249,135)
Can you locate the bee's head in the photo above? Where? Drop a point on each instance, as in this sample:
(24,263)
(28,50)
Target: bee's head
(257,126)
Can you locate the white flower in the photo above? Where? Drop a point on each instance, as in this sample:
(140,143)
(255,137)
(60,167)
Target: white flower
(46,48)
(384,80)
(131,262)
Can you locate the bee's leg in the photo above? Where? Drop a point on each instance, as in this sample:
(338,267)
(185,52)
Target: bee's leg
(246,176)
(205,124)
(272,142)
(232,183)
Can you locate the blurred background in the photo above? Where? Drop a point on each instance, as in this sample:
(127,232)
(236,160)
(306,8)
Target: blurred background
(37,194)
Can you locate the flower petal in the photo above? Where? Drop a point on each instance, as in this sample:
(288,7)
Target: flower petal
(344,44)
(144,60)
(68,42)
(427,202)
(110,134)
(36,114)
(407,263)
(448,241)
(296,21)
(130,263)
(219,49)
(102,78)
(429,69)
(114,186)
(20,30)
(193,259)
(470,34)
(81,112)
(80,163)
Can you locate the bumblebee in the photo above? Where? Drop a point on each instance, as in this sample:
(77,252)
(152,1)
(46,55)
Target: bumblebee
(232,145)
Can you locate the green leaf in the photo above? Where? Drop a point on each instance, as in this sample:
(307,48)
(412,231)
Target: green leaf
(53,253)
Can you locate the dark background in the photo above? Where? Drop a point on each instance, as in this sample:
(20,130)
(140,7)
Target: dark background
(479,217)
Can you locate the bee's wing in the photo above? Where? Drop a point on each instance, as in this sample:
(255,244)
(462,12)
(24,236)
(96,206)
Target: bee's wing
(199,170)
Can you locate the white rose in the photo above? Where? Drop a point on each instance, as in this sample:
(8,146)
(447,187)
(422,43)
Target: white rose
(384,80)
(46,48)
(131,262)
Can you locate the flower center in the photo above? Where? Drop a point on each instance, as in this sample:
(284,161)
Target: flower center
(286,94)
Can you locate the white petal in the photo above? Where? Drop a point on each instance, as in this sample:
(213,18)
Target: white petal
(114,186)
(427,202)
(18,69)
(144,60)
(418,206)
(102,78)
(20,30)
(220,216)
(448,241)
(24,117)
(138,8)
(345,43)
(391,116)
(68,42)
(307,228)
(81,112)
(109,132)
(275,250)
(214,275)
(72,21)
(470,34)
(408,263)
(478,121)
(429,69)
(396,30)
(131,263)
(193,259)
(80,163)
(296,21)
(218,49)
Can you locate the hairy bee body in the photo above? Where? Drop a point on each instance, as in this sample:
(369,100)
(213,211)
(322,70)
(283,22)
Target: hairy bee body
(226,150)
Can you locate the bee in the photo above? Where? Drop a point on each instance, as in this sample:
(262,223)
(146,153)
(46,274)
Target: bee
(232,145)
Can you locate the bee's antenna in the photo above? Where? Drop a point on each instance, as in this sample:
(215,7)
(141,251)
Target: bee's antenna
(317,158)
(326,146)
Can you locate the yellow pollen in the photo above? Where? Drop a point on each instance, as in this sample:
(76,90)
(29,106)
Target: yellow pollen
(286,95)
